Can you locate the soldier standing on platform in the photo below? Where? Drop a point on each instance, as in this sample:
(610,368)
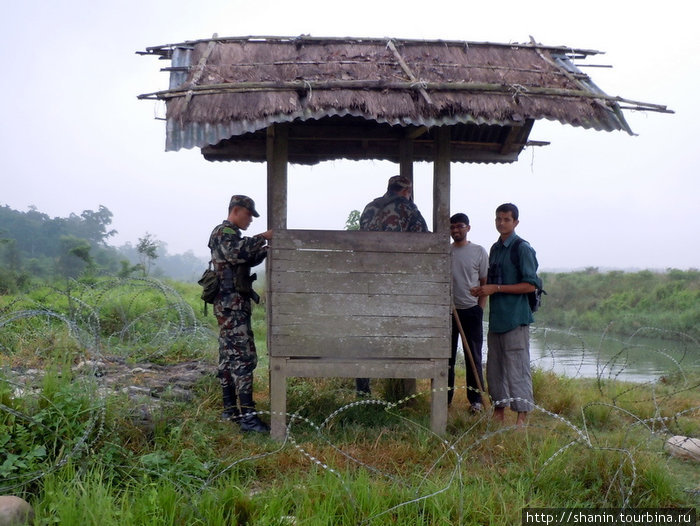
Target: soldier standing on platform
(392,212)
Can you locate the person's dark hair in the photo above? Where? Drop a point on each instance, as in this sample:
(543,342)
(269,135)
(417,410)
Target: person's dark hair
(460,218)
(509,207)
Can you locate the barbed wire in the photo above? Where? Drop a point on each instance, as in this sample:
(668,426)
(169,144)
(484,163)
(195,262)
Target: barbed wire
(126,316)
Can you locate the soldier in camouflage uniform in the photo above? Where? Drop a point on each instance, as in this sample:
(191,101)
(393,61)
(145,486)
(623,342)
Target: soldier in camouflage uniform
(392,212)
(232,256)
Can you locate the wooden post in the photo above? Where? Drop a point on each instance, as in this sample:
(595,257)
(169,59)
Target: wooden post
(278,396)
(441,225)
(441,181)
(406,158)
(438,399)
(410,386)
(277,157)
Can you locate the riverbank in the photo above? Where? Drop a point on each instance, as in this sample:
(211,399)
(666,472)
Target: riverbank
(623,302)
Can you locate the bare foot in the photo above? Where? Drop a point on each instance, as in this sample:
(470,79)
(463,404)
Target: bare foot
(522,419)
(499,413)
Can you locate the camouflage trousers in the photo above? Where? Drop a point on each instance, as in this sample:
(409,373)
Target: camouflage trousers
(237,355)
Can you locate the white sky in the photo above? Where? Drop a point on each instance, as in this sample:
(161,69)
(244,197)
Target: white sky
(74,136)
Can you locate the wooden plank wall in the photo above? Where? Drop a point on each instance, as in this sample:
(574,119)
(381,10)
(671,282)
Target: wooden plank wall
(353,294)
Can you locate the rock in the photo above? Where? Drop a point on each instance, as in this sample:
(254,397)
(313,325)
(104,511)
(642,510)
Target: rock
(683,447)
(95,366)
(174,394)
(15,511)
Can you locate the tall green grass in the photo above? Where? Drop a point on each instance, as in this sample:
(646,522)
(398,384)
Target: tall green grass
(376,468)
(82,455)
(623,302)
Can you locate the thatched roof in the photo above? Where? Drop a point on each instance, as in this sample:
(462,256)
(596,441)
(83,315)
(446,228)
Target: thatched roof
(224,93)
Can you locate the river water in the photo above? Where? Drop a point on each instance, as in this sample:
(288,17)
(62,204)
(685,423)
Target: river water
(643,357)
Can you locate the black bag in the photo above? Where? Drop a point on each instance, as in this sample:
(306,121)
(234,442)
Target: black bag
(535,297)
(210,286)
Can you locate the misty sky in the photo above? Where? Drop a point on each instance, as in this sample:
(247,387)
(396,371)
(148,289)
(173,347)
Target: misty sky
(74,136)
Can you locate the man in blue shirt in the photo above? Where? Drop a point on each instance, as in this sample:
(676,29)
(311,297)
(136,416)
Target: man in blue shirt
(508,365)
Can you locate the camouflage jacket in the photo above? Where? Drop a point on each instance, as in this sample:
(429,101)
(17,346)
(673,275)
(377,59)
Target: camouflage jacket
(229,249)
(393,213)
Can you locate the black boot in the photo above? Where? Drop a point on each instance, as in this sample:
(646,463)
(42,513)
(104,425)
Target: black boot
(362,387)
(231,411)
(249,421)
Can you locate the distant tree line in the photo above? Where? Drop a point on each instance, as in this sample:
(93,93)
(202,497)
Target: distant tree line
(623,302)
(34,245)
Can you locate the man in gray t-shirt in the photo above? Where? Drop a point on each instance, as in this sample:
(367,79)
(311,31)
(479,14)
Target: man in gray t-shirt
(470,263)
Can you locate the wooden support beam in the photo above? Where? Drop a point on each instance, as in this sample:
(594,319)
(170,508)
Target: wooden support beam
(414,133)
(441,181)
(406,158)
(277,156)
(406,169)
(511,139)
(516,138)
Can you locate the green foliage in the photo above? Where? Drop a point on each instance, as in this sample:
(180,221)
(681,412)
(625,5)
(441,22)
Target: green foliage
(39,429)
(181,267)
(11,281)
(34,243)
(353,220)
(623,302)
(75,257)
(147,248)
(127,269)
(144,318)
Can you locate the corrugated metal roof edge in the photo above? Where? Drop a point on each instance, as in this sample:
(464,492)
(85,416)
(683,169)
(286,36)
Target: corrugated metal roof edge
(199,135)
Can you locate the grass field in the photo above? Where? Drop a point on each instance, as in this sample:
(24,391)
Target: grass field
(81,454)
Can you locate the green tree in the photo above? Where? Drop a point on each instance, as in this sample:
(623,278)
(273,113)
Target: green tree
(38,238)
(92,225)
(147,248)
(127,269)
(75,257)
(11,257)
(10,265)
(353,220)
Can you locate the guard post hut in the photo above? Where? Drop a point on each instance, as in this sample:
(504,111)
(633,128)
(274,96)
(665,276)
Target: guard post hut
(368,304)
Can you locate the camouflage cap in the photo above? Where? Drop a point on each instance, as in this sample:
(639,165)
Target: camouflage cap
(245,202)
(400,180)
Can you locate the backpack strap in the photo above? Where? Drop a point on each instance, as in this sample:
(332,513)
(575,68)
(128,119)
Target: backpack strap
(515,256)
(515,259)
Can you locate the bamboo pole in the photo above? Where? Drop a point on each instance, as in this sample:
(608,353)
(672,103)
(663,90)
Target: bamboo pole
(475,87)
(199,72)
(468,352)
(345,62)
(165,48)
(408,71)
